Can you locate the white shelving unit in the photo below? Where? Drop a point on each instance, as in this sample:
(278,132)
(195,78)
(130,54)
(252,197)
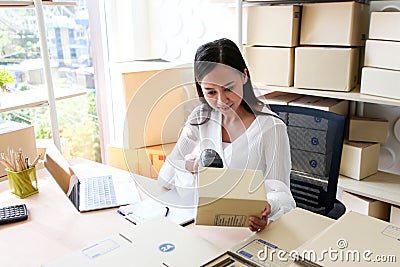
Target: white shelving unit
(381,186)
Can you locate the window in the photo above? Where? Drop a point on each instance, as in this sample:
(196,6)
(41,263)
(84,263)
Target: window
(72,73)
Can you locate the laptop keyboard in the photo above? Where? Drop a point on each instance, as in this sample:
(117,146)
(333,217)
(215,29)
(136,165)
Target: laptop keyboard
(100,192)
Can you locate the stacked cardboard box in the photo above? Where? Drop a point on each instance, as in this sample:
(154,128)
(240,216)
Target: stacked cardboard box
(144,161)
(272,34)
(330,39)
(360,154)
(381,72)
(15,136)
(367,206)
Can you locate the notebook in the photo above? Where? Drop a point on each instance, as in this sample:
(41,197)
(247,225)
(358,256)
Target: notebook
(169,204)
(90,193)
(157,242)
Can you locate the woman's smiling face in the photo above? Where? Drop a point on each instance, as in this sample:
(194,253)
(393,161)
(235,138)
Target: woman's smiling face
(223,88)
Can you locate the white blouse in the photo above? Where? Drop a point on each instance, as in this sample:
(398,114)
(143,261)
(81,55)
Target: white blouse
(263,146)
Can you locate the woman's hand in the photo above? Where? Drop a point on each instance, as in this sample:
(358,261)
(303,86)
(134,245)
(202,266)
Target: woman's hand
(192,165)
(257,224)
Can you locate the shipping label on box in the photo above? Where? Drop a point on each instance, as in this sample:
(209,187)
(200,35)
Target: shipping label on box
(382,54)
(273,25)
(228,197)
(385,26)
(326,68)
(395,215)
(366,206)
(363,129)
(340,24)
(359,159)
(380,82)
(15,136)
(279,73)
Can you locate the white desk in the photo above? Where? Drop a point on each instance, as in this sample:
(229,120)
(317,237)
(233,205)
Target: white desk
(55,228)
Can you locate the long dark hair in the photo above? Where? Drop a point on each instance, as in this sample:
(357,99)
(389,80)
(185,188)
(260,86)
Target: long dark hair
(224,51)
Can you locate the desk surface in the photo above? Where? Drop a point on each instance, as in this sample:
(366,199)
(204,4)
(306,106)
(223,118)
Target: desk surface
(55,228)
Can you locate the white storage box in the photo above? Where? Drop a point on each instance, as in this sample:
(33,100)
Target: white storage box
(385,26)
(367,206)
(380,82)
(382,54)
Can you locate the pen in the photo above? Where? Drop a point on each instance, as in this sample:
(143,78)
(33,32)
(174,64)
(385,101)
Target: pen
(167,211)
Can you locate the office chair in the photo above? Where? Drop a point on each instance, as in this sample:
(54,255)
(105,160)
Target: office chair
(316,140)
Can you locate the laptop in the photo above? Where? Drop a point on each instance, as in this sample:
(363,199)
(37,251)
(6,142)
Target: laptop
(94,192)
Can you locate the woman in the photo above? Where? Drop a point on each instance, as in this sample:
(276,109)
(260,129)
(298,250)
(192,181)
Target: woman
(233,122)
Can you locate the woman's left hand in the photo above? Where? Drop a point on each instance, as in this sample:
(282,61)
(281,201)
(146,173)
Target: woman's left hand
(257,224)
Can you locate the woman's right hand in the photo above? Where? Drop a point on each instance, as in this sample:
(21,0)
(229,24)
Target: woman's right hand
(192,164)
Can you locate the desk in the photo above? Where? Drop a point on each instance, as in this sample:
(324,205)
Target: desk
(55,228)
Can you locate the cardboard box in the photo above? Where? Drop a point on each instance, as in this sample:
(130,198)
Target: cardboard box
(155,102)
(228,197)
(367,206)
(359,159)
(368,130)
(270,65)
(395,215)
(380,82)
(385,26)
(326,68)
(340,24)
(273,25)
(328,104)
(382,54)
(279,98)
(15,136)
(144,161)
(358,238)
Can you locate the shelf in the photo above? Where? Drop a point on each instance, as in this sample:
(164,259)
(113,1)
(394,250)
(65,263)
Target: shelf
(353,95)
(32,98)
(381,186)
(30,3)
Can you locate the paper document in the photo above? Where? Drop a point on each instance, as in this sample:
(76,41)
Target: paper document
(169,205)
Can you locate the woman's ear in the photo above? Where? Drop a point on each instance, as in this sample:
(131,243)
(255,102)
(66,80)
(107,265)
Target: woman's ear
(245,76)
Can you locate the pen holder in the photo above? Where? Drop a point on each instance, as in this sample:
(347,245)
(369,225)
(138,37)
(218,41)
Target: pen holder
(23,183)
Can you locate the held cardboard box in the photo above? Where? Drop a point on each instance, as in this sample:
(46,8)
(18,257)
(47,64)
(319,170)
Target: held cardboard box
(359,159)
(273,25)
(279,98)
(228,197)
(395,215)
(270,65)
(385,26)
(144,161)
(337,106)
(326,68)
(368,130)
(17,136)
(367,206)
(340,24)
(382,54)
(380,82)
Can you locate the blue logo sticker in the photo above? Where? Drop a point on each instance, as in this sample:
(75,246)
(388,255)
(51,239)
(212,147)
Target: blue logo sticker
(166,247)
(313,163)
(317,119)
(314,141)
